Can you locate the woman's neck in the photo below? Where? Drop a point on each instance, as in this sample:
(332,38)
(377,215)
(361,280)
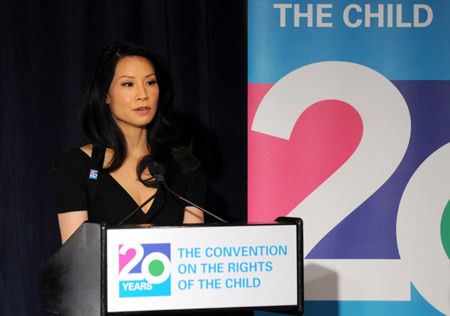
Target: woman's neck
(136,141)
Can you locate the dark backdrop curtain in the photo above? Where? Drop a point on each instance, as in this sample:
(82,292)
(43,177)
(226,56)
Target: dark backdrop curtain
(47,49)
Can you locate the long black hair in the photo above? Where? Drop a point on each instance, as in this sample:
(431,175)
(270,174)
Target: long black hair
(100,129)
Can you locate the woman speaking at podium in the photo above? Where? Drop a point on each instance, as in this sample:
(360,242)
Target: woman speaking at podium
(123,116)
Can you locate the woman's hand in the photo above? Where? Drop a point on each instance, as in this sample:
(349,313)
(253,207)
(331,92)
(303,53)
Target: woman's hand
(193,215)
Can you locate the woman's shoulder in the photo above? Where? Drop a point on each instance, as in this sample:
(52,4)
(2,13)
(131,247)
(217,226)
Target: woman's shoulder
(77,156)
(87,149)
(81,156)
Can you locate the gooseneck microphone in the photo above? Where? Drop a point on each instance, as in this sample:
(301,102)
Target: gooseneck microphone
(157,171)
(140,206)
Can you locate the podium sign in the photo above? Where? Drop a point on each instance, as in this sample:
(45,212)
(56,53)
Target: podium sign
(103,270)
(201,267)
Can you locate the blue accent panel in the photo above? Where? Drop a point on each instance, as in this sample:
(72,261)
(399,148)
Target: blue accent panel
(418,306)
(397,53)
(143,288)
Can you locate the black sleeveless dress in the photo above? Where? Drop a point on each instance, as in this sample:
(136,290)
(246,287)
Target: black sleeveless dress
(78,188)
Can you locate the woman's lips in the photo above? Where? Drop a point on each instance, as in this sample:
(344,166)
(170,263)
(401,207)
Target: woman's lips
(143,109)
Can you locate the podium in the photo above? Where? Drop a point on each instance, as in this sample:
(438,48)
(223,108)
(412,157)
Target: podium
(139,269)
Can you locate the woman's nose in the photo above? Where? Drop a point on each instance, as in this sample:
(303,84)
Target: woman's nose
(142,94)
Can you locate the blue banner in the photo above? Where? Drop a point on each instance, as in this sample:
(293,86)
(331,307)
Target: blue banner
(403,40)
(348,115)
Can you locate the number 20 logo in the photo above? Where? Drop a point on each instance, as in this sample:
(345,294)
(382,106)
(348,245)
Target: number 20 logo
(144,269)
(423,259)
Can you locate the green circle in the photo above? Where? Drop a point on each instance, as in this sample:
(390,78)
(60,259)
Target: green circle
(156,267)
(445,229)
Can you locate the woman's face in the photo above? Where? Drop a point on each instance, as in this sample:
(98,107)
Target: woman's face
(133,93)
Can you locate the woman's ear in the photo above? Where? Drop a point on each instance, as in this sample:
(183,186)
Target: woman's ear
(107,99)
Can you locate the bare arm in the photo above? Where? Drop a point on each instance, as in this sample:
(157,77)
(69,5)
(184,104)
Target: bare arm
(193,215)
(69,223)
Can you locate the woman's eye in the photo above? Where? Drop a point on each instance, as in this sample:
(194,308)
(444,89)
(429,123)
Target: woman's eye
(127,84)
(151,82)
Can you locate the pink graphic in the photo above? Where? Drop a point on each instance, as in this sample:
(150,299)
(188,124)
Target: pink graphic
(282,173)
(126,258)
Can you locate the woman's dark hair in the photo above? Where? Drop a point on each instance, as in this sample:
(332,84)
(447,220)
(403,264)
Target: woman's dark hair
(100,129)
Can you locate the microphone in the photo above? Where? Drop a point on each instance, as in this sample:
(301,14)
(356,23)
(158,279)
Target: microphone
(141,206)
(157,171)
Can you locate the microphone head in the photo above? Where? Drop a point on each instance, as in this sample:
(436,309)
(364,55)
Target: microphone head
(157,171)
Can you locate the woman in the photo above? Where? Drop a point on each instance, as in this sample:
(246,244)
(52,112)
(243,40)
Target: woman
(123,116)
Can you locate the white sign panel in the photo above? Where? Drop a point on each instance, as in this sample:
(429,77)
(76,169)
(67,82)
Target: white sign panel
(171,268)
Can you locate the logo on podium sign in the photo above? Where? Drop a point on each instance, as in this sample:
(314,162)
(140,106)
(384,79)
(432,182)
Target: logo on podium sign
(144,270)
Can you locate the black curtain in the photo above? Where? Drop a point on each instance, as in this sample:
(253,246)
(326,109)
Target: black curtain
(47,49)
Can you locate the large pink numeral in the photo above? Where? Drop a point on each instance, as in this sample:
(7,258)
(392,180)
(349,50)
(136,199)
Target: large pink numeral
(125,272)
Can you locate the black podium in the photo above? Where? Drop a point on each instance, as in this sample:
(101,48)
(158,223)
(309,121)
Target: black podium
(113,270)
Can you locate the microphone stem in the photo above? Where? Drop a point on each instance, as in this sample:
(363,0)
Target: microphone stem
(192,204)
(139,207)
